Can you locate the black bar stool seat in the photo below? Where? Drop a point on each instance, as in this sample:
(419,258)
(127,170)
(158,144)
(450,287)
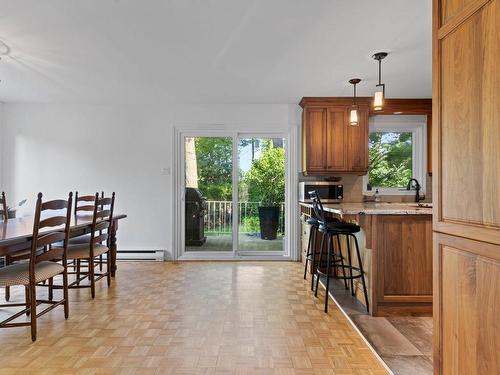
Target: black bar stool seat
(341,227)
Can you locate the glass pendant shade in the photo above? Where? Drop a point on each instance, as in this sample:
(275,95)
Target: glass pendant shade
(378,100)
(353,118)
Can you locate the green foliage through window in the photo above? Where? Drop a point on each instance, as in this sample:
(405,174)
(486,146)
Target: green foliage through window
(215,167)
(391,162)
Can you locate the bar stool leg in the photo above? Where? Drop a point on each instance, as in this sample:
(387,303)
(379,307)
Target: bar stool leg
(329,248)
(313,255)
(362,273)
(350,264)
(320,259)
(342,261)
(308,253)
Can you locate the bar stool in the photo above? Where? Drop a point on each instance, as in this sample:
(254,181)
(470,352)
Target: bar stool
(337,229)
(312,251)
(348,230)
(323,225)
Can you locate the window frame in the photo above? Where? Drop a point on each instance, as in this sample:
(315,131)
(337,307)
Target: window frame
(417,125)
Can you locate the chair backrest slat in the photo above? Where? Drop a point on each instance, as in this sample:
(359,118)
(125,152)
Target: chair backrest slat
(102,225)
(86,208)
(85,199)
(104,201)
(53,221)
(103,214)
(4,213)
(58,204)
(100,238)
(50,238)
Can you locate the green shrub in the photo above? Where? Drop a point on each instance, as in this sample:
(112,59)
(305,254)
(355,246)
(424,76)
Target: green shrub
(250,225)
(266,178)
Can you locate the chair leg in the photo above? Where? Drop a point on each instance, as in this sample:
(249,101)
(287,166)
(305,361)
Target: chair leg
(51,291)
(91,276)
(65,293)
(342,261)
(329,248)
(32,288)
(7,288)
(100,263)
(108,270)
(350,265)
(365,291)
(78,272)
(27,299)
(320,260)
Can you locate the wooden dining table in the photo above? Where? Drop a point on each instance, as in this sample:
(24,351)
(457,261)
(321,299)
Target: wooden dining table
(16,234)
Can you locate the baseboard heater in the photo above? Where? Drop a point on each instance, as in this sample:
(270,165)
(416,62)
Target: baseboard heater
(145,255)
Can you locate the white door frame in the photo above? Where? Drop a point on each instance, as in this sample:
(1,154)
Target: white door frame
(291,243)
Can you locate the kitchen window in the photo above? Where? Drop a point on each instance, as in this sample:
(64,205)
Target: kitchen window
(397,153)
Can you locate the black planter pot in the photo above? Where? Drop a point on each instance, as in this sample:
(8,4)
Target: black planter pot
(269,221)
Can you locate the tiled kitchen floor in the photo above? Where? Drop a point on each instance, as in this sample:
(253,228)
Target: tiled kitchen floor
(403,342)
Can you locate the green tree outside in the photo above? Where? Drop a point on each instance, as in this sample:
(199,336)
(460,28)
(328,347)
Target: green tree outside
(390,159)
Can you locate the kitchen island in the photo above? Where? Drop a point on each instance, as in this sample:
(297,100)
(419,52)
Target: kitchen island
(396,246)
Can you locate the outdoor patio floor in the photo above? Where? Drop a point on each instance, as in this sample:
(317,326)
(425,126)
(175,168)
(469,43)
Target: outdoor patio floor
(246,242)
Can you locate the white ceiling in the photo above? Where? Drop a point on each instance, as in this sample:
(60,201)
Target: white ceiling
(205,51)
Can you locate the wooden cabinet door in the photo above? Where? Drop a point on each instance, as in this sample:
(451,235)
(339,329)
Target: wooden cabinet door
(336,124)
(314,140)
(357,143)
(467,297)
(467,136)
(466,186)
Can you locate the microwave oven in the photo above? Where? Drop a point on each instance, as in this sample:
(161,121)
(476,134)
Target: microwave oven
(328,192)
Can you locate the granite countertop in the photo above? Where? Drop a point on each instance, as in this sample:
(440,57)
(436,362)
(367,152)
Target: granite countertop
(381,208)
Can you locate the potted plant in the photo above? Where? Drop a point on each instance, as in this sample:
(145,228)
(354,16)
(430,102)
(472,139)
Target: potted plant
(266,184)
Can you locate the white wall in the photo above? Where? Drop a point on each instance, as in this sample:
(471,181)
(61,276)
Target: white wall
(56,148)
(1,146)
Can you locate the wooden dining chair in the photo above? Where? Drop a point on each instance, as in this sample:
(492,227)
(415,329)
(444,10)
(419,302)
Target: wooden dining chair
(47,229)
(102,220)
(81,206)
(4,213)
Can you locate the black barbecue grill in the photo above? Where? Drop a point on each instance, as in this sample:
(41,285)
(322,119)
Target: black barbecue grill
(195,217)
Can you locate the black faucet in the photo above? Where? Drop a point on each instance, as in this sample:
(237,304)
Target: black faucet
(417,188)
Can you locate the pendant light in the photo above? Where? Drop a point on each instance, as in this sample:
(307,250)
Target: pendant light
(353,118)
(378,99)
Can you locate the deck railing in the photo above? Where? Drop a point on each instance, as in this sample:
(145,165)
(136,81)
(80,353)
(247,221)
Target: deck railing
(219,218)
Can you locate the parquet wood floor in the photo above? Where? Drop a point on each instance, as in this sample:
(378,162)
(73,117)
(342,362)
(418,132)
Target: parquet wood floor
(193,318)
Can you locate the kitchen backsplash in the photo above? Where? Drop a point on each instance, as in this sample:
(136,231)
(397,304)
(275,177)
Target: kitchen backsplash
(353,189)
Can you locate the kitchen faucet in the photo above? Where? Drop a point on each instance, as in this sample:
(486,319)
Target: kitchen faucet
(417,188)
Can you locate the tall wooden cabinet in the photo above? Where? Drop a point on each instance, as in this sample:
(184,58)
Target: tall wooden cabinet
(466,157)
(330,144)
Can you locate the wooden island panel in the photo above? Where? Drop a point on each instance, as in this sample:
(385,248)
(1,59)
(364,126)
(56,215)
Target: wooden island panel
(402,246)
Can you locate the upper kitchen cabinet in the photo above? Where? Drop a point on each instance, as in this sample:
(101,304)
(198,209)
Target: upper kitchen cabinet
(329,144)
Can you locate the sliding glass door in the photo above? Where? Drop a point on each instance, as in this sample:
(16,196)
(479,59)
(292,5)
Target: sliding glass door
(234,194)
(261,194)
